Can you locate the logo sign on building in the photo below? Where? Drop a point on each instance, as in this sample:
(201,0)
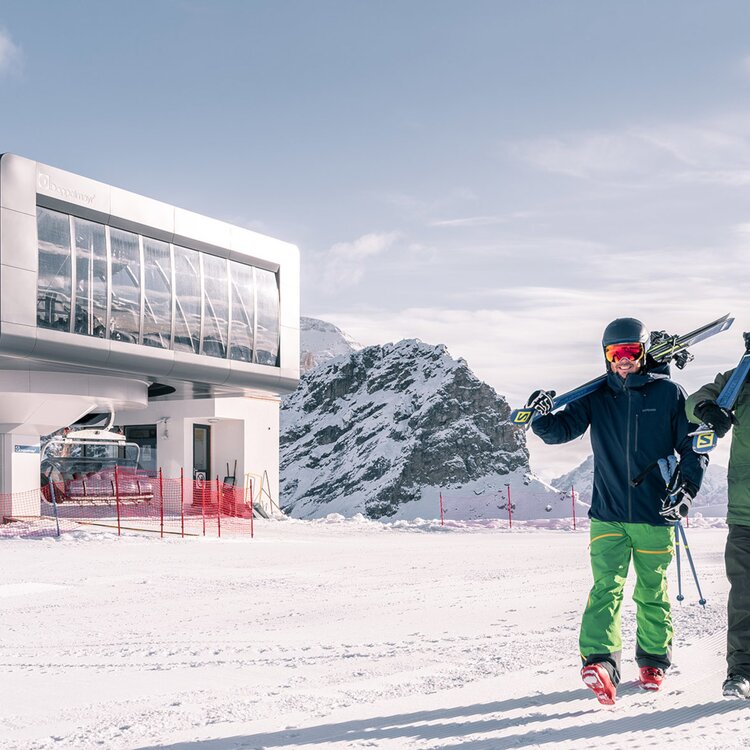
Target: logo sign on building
(26,448)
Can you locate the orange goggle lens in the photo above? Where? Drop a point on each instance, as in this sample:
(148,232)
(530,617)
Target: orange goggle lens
(616,352)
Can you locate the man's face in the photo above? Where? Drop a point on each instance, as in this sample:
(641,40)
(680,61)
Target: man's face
(624,359)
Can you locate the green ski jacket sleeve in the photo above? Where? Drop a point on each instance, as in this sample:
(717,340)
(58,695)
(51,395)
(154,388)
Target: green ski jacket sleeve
(738,476)
(710,392)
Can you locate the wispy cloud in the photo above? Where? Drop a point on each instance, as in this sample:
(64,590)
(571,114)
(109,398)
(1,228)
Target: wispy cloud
(715,152)
(10,54)
(469,221)
(345,262)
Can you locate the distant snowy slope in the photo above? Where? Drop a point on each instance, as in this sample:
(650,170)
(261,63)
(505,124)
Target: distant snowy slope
(382,431)
(321,341)
(712,499)
(581,479)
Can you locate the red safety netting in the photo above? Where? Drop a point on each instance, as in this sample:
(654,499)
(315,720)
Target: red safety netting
(129,500)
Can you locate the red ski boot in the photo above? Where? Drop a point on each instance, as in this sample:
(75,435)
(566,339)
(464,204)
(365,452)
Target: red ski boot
(651,678)
(596,677)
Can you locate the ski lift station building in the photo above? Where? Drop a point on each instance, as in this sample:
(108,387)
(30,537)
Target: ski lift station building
(185,326)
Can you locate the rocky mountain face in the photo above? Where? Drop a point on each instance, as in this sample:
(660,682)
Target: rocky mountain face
(382,430)
(321,341)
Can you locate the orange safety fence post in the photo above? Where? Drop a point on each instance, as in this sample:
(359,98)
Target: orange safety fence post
(510,510)
(573,499)
(161,502)
(252,511)
(218,507)
(182,500)
(203,503)
(117,499)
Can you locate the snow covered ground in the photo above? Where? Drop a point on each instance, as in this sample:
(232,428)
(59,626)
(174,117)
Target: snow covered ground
(339,634)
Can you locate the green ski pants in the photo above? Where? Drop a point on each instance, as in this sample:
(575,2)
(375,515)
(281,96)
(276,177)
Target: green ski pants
(611,547)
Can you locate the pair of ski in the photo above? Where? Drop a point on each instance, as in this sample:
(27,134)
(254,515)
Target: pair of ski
(704,438)
(664,348)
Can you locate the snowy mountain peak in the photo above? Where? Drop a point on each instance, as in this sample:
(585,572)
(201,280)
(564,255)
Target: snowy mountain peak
(321,341)
(368,432)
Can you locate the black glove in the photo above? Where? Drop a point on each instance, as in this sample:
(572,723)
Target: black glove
(715,417)
(677,505)
(541,401)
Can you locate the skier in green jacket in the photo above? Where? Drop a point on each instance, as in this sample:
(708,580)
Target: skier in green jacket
(702,407)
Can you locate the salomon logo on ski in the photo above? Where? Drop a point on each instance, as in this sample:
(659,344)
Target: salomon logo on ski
(521,416)
(703,442)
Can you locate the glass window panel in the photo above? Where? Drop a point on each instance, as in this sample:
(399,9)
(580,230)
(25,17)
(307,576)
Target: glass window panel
(243,312)
(54,280)
(187,287)
(215,306)
(91,278)
(157,289)
(125,316)
(267,343)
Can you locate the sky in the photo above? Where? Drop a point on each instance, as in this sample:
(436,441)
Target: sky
(501,177)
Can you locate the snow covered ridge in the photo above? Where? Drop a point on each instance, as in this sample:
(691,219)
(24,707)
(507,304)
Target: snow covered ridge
(381,431)
(321,341)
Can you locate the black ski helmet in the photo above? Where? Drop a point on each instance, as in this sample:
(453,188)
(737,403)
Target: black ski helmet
(625,331)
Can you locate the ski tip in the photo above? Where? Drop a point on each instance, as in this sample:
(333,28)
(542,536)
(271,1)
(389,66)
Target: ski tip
(704,441)
(522,417)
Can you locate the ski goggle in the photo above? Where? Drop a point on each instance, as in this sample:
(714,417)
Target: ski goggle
(616,352)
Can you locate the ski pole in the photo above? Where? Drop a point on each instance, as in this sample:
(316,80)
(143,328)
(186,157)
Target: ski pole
(680,597)
(668,467)
(670,470)
(702,600)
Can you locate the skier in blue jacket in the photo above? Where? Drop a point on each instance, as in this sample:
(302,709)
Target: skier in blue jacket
(636,416)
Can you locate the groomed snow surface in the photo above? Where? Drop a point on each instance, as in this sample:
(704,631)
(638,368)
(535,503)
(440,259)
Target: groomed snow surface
(340,634)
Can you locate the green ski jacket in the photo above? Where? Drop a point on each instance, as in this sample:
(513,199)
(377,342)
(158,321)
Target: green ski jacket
(739,455)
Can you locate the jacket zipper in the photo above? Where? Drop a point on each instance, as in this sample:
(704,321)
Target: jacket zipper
(636,433)
(627,462)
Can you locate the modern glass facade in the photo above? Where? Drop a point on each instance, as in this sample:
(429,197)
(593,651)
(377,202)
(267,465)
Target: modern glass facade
(97,280)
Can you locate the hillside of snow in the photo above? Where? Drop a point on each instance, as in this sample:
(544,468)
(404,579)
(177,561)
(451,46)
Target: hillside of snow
(341,635)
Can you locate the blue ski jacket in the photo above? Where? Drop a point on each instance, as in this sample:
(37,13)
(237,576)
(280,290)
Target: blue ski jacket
(634,422)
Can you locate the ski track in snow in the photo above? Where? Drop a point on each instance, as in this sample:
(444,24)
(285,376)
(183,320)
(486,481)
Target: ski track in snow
(337,634)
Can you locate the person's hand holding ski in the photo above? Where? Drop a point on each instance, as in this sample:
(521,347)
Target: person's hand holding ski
(541,402)
(714,416)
